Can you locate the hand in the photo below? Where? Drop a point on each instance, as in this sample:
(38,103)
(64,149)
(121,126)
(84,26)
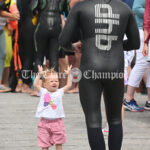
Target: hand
(40,70)
(77,46)
(145,50)
(15,15)
(68,70)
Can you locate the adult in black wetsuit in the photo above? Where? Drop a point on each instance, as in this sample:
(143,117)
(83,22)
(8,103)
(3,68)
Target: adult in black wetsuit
(26,49)
(47,30)
(26,42)
(103,24)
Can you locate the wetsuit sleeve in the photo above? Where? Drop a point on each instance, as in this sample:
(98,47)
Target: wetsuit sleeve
(70,28)
(146,22)
(132,33)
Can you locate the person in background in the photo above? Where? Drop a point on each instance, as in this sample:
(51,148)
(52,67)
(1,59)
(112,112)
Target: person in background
(8,37)
(140,66)
(26,48)
(4,13)
(146,49)
(74,57)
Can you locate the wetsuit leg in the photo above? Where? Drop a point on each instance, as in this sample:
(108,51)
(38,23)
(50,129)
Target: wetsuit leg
(90,95)
(113,102)
(53,53)
(27,44)
(41,41)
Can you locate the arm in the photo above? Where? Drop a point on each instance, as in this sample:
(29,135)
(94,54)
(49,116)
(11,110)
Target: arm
(146,27)
(11,16)
(68,86)
(145,48)
(36,83)
(132,32)
(62,21)
(3,4)
(66,36)
(146,22)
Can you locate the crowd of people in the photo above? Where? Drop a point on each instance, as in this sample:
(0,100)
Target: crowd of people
(55,34)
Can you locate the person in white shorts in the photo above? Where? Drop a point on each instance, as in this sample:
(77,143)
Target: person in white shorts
(140,67)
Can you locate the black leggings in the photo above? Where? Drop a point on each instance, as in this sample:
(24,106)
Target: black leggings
(90,96)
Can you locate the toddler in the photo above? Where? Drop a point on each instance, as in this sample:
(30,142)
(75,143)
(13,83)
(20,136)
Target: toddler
(51,129)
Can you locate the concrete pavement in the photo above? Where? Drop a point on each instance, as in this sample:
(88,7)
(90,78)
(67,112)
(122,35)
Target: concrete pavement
(18,125)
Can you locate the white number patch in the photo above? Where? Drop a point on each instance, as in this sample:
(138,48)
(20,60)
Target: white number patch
(105,18)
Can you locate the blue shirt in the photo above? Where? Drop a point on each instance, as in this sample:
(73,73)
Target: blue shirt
(138,10)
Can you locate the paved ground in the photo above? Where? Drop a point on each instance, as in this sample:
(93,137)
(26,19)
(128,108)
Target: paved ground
(18,125)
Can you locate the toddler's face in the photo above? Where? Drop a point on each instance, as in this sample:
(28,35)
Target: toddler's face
(51,82)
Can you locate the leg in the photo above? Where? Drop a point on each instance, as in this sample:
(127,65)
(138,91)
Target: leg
(27,44)
(44,135)
(138,70)
(130,92)
(147,104)
(113,103)
(7,59)
(2,53)
(41,42)
(58,146)
(53,53)
(5,76)
(148,85)
(19,86)
(90,93)
(2,60)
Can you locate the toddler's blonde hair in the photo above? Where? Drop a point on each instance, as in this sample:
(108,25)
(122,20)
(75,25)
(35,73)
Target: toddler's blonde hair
(49,72)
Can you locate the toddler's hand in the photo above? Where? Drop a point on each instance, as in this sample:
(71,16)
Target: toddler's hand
(68,69)
(40,70)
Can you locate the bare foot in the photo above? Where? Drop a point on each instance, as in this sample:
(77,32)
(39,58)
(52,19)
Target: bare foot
(26,88)
(19,86)
(34,93)
(75,90)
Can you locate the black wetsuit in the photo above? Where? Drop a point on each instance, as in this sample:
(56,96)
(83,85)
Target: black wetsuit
(103,24)
(26,41)
(26,45)
(48,29)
